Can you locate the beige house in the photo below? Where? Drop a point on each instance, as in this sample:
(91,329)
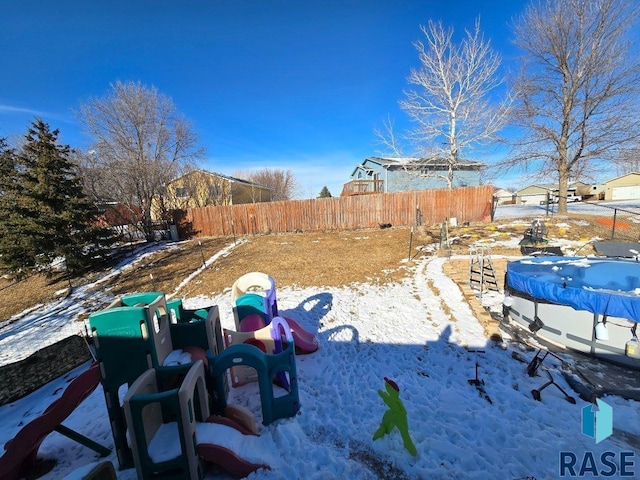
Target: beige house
(200,188)
(538,194)
(591,192)
(625,187)
(503,196)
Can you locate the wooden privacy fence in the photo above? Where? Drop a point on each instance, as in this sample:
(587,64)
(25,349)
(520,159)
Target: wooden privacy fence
(416,207)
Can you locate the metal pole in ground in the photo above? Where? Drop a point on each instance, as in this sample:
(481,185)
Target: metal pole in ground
(410,242)
(204,264)
(233,233)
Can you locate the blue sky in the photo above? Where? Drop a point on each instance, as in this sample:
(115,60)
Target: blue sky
(296,85)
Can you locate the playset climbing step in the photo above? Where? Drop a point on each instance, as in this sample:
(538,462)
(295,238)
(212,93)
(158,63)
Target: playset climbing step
(173,435)
(148,408)
(482,275)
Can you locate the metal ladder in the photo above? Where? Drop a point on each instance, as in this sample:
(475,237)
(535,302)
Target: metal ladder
(482,275)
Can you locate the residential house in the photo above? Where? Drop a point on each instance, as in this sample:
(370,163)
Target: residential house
(624,187)
(589,193)
(376,175)
(503,196)
(200,188)
(541,193)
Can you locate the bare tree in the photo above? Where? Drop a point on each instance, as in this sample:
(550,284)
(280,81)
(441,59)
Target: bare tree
(140,143)
(389,140)
(577,88)
(452,103)
(282,183)
(629,160)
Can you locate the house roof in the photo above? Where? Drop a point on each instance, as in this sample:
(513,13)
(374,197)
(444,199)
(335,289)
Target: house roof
(221,175)
(502,192)
(552,186)
(414,163)
(418,162)
(621,176)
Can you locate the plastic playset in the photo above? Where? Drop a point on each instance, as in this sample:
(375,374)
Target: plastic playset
(165,374)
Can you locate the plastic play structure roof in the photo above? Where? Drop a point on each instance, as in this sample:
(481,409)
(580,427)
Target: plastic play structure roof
(605,286)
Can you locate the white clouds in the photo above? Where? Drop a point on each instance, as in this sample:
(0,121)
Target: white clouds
(8,109)
(25,111)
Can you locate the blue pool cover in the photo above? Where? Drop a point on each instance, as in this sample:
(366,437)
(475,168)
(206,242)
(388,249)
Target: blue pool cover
(606,286)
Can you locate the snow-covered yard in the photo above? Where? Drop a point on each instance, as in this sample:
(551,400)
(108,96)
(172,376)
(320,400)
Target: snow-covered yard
(422,334)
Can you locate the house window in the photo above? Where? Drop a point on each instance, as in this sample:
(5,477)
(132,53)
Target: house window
(181,192)
(360,174)
(214,190)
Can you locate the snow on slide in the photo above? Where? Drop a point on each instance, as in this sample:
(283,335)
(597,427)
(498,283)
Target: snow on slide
(238,453)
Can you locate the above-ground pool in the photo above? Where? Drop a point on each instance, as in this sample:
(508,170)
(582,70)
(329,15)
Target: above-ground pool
(588,304)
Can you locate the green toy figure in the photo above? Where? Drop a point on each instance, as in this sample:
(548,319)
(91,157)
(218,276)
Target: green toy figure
(396,416)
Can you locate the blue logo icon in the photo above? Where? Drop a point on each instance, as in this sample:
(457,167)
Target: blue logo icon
(597,420)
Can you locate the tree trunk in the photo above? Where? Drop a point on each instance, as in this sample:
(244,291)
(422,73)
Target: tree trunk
(563,184)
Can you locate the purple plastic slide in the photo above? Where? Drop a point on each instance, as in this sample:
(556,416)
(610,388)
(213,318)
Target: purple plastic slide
(305,342)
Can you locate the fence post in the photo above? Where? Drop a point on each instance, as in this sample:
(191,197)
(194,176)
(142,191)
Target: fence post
(613,227)
(494,207)
(233,232)
(547,203)
(204,264)
(410,242)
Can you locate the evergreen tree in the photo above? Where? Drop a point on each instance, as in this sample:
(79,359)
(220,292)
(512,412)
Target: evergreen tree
(325,193)
(13,251)
(52,217)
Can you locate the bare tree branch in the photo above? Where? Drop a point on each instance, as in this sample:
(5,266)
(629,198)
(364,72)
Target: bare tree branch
(577,88)
(452,104)
(140,144)
(282,183)
(388,139)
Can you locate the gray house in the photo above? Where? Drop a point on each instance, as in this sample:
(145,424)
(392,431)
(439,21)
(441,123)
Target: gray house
(377,175)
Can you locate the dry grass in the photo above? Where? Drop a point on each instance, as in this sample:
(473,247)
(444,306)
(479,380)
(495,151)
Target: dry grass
(316,259)
(165,270)
(301,259)
(17,297)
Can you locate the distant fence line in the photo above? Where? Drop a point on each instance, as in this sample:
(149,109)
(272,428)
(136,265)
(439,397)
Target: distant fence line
(416,207)
(622,220)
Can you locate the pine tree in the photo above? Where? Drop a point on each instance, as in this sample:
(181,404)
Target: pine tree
(13,244)
(325,193)
(52,216)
